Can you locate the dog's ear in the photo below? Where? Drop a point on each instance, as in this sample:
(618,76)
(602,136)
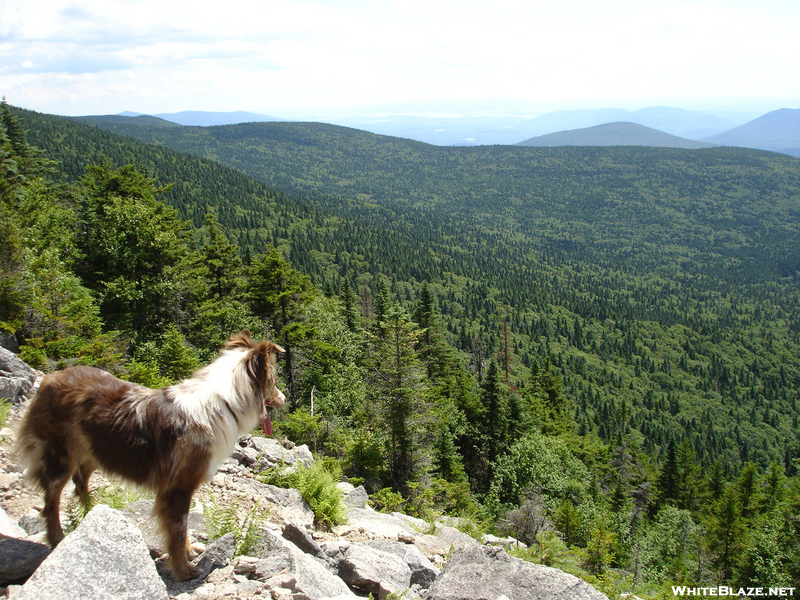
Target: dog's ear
(239,340)
(261,364)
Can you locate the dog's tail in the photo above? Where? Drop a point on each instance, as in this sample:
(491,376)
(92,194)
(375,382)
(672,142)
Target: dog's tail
(31,446)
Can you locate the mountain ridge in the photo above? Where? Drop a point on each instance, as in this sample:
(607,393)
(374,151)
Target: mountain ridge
(615,134)
(778,131)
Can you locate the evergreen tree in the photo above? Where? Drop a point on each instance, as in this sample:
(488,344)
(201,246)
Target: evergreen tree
(130,245)
(349,305)
(399,388)
(494,397)
(220,259)
(278,293)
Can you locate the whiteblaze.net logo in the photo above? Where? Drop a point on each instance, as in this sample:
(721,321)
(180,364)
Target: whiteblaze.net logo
(724,591)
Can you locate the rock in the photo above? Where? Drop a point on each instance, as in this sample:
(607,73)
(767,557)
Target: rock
(373,571)
(16,378)
(379,524)
(300,537)
(509,543)
(140,513)
(423,572)
(32,524)
(270,453)
(486,573)
(298,572)
(218,555)
(9,528)
(289,503)
(105,557)
(19,559)
(246,456)
(355,497)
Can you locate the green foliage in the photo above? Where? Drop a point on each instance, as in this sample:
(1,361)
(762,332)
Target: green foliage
(222,520)
(540,464)
(317,486)
(130,245)
(386,500)
(365,458)
(5,409)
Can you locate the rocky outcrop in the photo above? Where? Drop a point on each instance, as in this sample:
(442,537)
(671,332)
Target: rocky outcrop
(16,377)
(489,573)
(105,557)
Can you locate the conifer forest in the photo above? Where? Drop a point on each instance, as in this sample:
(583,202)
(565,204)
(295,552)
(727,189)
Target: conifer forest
(593,350)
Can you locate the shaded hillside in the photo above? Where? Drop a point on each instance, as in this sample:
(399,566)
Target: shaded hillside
(778,130)
(208,119)
(662,283)
(145,120)
(615,134)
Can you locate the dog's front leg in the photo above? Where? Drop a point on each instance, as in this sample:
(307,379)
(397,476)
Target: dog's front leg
(172,508)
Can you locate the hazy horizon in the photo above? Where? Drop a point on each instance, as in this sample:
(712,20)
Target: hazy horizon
(296,58)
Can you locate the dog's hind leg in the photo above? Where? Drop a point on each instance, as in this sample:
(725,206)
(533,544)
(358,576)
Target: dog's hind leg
(172,507)
(52,477)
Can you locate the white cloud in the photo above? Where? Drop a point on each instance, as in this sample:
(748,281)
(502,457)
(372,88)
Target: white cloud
(165,55)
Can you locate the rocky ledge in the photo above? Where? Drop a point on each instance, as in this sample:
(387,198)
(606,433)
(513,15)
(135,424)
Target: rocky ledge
(116,554)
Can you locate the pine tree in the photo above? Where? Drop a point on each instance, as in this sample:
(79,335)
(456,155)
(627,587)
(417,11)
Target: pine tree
(278,293)
(349,305)
(220,259)
(398,387)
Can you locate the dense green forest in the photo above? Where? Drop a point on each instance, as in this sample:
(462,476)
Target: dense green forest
(593,349)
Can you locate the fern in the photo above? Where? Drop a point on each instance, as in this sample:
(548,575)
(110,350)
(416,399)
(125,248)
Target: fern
(317,486)
(5,408)
(222,520)
(111,495)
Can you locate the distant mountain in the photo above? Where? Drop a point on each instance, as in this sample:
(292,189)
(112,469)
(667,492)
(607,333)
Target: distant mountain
(677,121)
(126,119)
(615,134)
(445,128)
(208,119)
(778,131)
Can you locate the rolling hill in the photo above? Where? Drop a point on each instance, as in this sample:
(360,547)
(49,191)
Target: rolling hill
(615,134)
(663,283)
(778,131)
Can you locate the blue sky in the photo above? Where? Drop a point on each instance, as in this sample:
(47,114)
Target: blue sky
(291,57)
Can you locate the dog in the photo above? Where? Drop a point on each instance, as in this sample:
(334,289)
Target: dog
(169,440)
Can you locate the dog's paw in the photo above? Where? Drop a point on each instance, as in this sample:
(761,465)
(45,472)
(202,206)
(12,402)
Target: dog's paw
(185,572)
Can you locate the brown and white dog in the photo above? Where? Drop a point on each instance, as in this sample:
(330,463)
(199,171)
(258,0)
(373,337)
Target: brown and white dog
(168,440)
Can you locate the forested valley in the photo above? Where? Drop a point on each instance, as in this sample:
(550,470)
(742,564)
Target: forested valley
(595,350)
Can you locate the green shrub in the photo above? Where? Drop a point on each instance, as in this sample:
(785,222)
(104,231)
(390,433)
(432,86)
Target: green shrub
(387,500)
(221,520)
(317,486)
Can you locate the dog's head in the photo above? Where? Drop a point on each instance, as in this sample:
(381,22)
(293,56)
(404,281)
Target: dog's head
(260,364)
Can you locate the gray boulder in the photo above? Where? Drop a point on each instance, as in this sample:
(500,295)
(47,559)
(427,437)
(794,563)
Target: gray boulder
(288,503)
(217,555)
(16,377)
(19,559)
(300,537)
(423,572)
(487,573)
(355,497)
(105,557)
(297,571)
(140,513)
(373,571)
(270,453)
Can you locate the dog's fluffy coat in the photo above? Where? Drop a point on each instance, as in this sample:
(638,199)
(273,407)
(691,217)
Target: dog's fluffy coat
(168,440)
